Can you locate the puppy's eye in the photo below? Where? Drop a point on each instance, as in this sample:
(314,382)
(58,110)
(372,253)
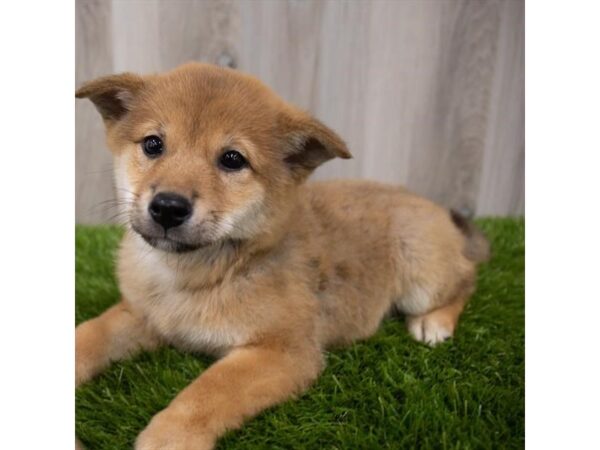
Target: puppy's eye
(232,160)
(153,146)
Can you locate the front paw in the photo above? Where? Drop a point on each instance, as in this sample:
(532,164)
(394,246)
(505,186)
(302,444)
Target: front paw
(172,430)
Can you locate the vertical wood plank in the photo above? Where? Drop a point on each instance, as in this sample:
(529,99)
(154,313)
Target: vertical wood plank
(93,52)
(310,53)
(278,42)
(197,31)
(136,36)
(446,159)
(502,185)
(404,45)
(158,35)
(341,82)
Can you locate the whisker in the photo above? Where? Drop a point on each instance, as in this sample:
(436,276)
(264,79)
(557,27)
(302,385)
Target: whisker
(127,191)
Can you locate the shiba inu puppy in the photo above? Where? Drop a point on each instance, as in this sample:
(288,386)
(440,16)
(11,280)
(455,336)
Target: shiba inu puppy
(228,250)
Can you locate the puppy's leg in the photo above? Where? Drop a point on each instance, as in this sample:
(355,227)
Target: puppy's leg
(113,335)
(235,388)
(438,325)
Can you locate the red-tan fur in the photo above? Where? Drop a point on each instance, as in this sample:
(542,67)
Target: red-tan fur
(300,267)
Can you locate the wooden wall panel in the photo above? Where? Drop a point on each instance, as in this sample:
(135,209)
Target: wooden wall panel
(197,31)
(502,186)
(93,164)
(312,53)
(136,33)
(446,156)
(427,93)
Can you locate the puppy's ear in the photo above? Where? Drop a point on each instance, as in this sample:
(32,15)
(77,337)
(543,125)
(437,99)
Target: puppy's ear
(310,143)
(112,95)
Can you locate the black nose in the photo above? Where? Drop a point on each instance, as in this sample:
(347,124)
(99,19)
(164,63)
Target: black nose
(170,210)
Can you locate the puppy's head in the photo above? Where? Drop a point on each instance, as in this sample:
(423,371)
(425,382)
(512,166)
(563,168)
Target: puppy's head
(205,154)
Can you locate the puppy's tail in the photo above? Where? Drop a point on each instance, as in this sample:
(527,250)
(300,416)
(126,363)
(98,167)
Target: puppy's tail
(477,247)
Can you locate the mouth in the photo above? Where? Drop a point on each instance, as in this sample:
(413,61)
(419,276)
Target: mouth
(168,244)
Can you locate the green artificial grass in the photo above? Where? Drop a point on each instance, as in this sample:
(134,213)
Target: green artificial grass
(386,392)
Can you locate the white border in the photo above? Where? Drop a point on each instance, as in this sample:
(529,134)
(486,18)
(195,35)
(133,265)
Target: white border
(563,224)
(37,224)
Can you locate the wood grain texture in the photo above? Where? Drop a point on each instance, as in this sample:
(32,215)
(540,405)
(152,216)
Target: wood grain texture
(502,184)
(93,164)
(427,93)
(449,146)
